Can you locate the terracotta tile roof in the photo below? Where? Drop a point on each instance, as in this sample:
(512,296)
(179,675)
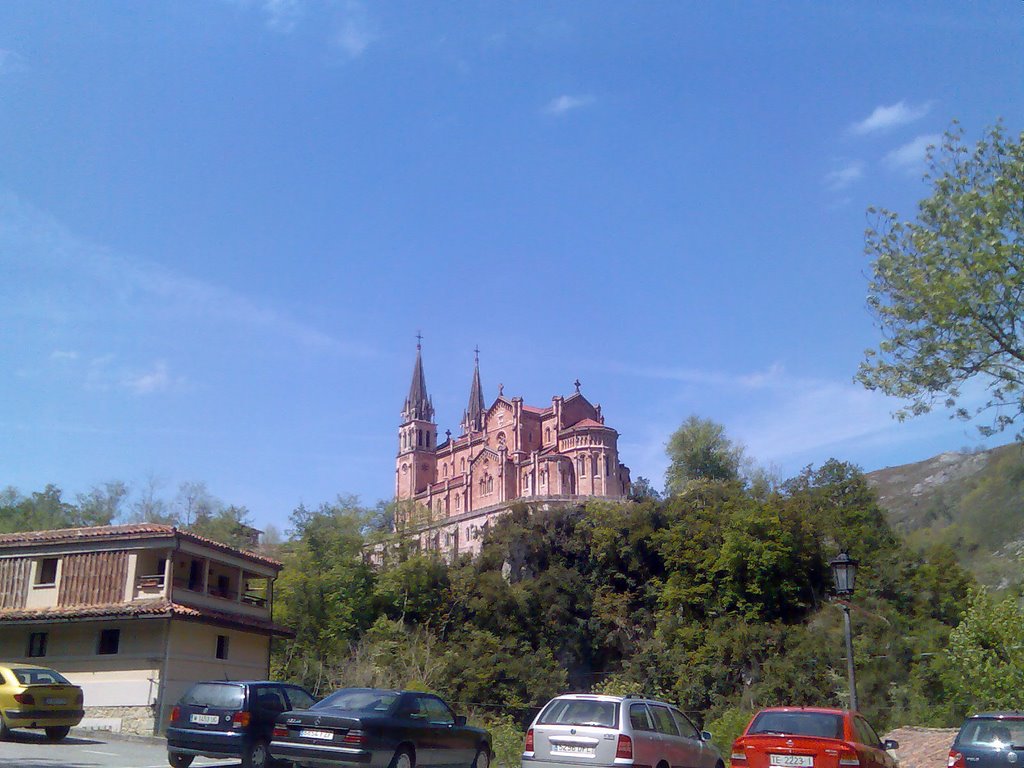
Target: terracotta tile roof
(587,423)
(536,410)
(158,608)
(131,531)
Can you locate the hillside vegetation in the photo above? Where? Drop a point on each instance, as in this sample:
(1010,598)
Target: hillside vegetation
(716,598)
(972,502)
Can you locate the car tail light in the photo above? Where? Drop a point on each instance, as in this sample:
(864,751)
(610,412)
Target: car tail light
(529,741)
(25,698)
(738,755)
(848,757)
(175,714)
(354,737)
(241,719)
(624,749)
(78,698)
(956,760)
(280,732)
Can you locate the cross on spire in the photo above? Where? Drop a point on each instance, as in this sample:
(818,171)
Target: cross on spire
(577,385)
(419,339)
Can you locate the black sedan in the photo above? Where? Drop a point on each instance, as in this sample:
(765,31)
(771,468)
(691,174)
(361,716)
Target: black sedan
(379,729)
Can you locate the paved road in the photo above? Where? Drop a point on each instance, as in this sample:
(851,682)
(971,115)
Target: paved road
(91,749)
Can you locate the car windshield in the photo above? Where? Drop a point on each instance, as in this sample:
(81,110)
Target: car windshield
(29,676)
(580,712)
(217,695)
(991,732)
(819,724)
(359,700)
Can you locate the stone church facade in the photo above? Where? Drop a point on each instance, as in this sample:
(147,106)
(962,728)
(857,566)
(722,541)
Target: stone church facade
(507,452)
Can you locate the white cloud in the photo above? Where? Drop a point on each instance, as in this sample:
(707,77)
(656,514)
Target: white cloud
(561,105)
(841,178)
(910,157)
(356,32)
(156,379)
(892,116)
(282,15)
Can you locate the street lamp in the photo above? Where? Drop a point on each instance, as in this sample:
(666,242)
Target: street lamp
(844,571)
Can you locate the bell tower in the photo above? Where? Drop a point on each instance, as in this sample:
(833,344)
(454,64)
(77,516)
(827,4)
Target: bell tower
(416,465)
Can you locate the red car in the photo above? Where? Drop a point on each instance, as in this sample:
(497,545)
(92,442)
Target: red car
(811,737)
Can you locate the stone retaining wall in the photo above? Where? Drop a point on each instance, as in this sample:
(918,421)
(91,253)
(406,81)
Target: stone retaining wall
(133,720)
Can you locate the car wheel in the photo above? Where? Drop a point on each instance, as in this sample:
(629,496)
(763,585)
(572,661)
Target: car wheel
(57,732)
(180,761)
(402,759)
(256,756)
(482,759)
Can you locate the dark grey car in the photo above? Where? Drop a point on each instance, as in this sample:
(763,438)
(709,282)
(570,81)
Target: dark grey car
(991,740)
(380,729)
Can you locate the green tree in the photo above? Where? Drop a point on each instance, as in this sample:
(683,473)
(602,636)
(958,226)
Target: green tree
(229,525)
(948,287)
(102,504)
(641,489)
(700,450)
(986,655)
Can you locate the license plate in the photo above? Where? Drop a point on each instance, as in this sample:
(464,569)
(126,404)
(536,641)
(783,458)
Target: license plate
(801,761)
(205,719)
(572,749)
(306,733)
(51,700)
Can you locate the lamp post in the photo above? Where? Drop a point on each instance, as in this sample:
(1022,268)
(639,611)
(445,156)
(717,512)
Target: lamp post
(844,571)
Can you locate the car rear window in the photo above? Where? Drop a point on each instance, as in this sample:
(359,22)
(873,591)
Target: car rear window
(991,732)
(819,724)
(28,676)
(604,714)
(359,700)
(217,695)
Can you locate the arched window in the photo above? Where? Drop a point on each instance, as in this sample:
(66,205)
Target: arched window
(428,439)
(490,484)
(445,470)
(547,434)
(583,467)
(458,502)
(419,437)
(462,466)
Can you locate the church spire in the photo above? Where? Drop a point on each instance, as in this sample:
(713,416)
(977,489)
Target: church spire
(418,406)
(472,420)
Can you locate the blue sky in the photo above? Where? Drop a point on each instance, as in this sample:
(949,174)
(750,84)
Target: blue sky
(222,224)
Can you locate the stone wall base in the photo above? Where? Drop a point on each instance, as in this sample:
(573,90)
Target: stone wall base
(135,720)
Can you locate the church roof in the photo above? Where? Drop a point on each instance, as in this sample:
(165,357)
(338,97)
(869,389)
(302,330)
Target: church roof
(471,421)
(589,423)
(418,405)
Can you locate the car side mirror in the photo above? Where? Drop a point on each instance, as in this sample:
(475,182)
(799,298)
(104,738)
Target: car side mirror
(890,744)
(705,735)
(460,719)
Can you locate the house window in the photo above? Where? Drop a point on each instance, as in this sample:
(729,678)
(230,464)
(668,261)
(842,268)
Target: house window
(110,639)
(222,646)
(37,644)
(195,575)
(47,571)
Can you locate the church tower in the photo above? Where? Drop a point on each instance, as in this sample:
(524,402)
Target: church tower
(416,466)
(473,418)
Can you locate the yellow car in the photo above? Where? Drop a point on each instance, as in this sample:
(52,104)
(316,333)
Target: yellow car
(38,697)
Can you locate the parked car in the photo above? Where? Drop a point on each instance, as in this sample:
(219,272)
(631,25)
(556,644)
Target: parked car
(380,728)
(38,697)
(988,740)
(589,729)
(811,737)
(219,718)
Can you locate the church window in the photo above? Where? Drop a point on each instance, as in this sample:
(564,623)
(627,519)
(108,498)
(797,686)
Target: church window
(419,437)
(490,484)
(593,468)
(547,434)
(458,502)
(463,465)
(583,467)
(428,439)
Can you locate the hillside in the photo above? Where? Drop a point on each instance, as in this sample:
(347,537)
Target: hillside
(973,502)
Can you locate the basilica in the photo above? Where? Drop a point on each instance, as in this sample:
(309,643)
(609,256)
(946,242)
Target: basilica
(507,452)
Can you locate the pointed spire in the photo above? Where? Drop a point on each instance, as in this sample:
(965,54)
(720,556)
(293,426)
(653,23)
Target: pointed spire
(418,405)
(472,420)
